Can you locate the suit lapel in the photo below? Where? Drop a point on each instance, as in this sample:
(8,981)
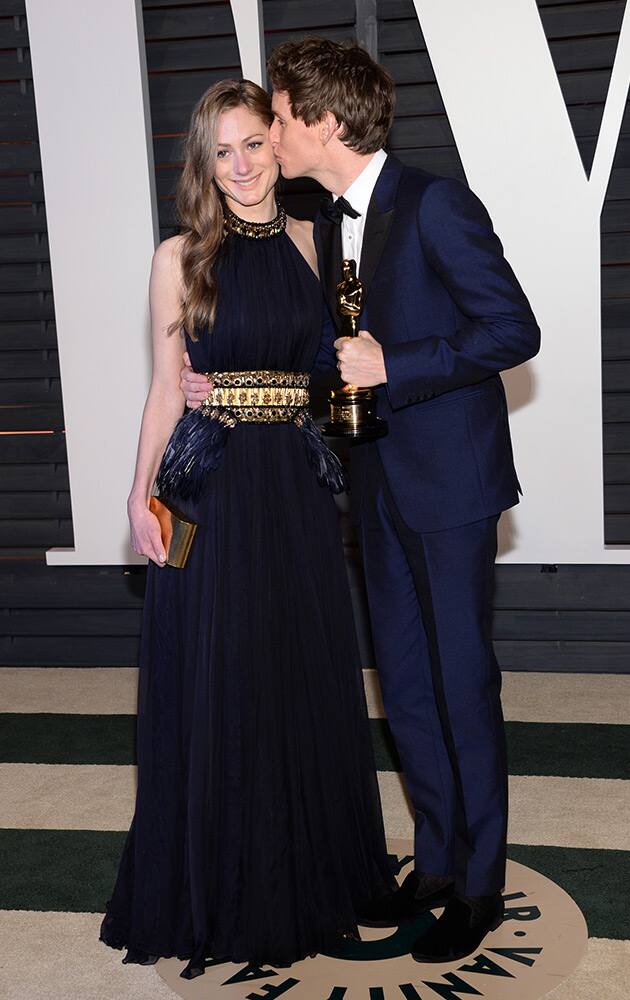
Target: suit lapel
(380,216)
(377,226)
(328,246)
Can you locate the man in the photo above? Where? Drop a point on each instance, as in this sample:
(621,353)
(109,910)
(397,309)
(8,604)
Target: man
(443,315)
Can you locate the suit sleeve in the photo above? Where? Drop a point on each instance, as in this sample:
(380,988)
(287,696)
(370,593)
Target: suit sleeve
(499,330)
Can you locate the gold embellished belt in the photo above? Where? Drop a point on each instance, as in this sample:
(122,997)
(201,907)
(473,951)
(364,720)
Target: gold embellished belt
(259,397)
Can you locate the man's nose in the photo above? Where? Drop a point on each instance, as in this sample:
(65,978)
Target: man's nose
(274,137)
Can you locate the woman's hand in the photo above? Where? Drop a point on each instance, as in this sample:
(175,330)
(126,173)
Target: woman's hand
(195,385)
(146,537)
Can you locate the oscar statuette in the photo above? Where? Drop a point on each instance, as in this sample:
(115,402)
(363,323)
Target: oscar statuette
(352,409)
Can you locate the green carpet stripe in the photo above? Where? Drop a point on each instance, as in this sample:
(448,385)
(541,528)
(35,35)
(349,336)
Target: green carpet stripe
(69,870)
(597,880)
(570,750)
(385,752)
(566,749)
(51,738)
(74,871)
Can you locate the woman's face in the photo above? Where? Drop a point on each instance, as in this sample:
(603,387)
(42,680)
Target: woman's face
(245,170)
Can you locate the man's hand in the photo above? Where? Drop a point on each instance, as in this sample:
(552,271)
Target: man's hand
(360,360)
(194,385)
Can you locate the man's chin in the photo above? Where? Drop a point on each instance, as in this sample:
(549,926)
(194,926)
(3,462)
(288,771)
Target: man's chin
(287,173)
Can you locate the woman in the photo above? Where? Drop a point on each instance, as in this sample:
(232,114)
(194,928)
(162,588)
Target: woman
(257,834)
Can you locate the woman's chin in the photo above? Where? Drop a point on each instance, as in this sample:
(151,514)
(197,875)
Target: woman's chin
(248,198)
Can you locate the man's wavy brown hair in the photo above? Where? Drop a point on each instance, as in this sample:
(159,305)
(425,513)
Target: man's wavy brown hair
(319,76)
(200,203)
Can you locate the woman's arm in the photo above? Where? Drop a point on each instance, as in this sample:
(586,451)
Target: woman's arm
(165,401)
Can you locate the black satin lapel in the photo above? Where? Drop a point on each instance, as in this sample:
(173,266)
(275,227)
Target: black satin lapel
(330,262)
(377,226)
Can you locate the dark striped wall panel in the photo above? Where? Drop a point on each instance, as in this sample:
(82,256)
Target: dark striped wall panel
(574,619)
(34,490)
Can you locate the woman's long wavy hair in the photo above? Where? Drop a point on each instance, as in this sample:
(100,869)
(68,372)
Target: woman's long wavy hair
(200,203)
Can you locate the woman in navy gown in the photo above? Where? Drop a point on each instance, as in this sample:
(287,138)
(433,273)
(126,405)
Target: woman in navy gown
(257,835)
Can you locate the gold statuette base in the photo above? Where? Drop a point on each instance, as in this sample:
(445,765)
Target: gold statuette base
(177,532)
(353,415)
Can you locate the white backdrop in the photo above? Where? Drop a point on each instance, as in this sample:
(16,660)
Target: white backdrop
(507,113)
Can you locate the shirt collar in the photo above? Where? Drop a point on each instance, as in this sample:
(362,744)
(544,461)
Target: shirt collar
(360,191)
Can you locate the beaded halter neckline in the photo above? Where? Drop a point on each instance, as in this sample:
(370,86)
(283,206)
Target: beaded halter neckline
(255,230)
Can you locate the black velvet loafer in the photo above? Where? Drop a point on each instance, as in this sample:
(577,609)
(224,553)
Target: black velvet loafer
(418,893)
(460,929)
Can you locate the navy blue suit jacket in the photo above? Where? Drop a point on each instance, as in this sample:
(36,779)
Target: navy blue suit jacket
(450,315)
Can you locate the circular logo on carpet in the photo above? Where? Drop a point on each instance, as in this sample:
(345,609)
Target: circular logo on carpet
(540,942)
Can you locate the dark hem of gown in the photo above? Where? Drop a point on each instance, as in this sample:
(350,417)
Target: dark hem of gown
(138,953)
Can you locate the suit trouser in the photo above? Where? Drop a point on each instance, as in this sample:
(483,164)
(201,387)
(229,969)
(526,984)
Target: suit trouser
(430,601)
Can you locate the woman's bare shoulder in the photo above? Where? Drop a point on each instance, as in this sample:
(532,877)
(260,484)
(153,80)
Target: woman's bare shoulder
(168,252)
(167,263)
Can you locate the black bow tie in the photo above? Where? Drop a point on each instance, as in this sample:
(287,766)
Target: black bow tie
(334,211)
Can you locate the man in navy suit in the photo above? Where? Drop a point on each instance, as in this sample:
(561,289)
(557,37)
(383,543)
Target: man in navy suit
(443,316)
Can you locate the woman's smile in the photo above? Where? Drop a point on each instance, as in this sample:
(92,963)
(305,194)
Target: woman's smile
(246,184)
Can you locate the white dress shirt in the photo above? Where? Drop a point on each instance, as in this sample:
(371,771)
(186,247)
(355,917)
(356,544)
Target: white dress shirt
(358,195)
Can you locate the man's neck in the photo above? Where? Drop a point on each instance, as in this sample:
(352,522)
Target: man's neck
(342,168)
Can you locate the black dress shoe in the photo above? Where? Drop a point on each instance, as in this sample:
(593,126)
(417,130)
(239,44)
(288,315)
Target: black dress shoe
(460,930)
(418,893)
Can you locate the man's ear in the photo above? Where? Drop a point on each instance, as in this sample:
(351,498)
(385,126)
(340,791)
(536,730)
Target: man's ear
(329,127)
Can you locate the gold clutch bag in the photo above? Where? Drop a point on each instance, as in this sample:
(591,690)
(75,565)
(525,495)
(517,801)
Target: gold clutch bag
(177,532)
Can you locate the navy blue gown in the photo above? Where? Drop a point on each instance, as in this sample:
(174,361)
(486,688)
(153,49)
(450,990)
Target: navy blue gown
(257,833)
